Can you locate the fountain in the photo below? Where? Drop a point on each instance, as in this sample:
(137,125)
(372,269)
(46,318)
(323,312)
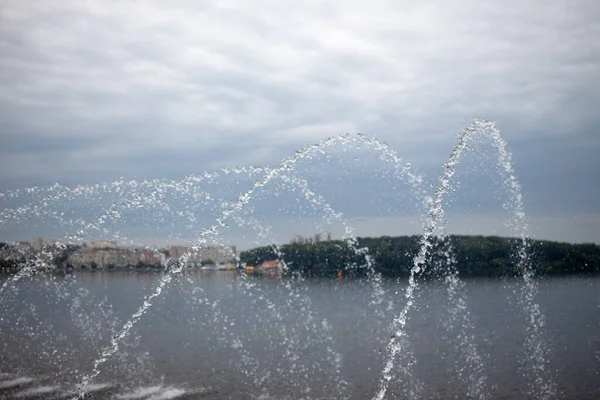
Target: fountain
(304,341)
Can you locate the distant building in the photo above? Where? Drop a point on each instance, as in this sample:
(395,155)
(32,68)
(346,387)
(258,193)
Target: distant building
(298,239)
(146,256)
(271,265)
(104,244)
(104,257)
(23,246)
(38,244)
(319,237)
(216,254)
(152,257)
(106,254)
(178,251)
(322,237)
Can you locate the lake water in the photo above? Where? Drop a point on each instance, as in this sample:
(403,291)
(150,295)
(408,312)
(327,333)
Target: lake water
(220,335)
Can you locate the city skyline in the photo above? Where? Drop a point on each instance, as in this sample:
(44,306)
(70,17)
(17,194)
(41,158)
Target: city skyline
(110,254)
(176,249)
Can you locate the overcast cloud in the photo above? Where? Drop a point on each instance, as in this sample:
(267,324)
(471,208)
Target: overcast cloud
(94,90)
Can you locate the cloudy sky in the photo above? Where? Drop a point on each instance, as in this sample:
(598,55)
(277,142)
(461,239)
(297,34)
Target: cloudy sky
(95,90)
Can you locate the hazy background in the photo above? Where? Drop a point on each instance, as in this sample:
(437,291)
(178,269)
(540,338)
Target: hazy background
(92,91)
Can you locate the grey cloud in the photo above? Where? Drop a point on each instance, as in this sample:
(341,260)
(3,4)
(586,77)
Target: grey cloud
(92,91)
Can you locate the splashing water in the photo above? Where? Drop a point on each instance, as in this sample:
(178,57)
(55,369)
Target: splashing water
(130,195)
(293,291)
(270,173)
(542,385)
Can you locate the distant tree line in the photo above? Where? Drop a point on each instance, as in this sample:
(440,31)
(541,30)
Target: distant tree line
(9,267)
(484,256)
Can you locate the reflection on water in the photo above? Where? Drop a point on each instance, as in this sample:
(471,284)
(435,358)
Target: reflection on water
(224,335)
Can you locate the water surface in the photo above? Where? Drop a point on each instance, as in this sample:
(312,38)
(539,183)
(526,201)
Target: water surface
(220,335)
